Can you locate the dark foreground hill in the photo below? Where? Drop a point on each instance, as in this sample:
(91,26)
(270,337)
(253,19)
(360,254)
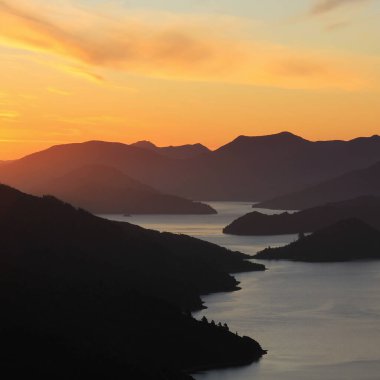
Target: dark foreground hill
(83,297)
(366,209)
(350,185)
(101,190)
(347,240)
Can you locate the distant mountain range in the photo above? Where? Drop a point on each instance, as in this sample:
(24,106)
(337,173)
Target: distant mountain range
(347,240)
(83,297)
(260,168)
(246,169)
(349,185)
(366,209)
(93,176)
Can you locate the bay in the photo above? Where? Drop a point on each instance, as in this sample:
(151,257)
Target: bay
(317,321)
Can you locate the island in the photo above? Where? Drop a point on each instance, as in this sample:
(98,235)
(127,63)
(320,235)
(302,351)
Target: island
(366,208)
(347,240)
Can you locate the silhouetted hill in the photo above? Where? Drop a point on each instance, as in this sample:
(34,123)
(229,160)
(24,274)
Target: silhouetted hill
(366,209)
(51,225)
(353,184)
(259,168)
(145,145)
(78,174)
(248,168)
(83,297)
(101,190)
(143,165)
(182,151)
(243,145)
(347,240)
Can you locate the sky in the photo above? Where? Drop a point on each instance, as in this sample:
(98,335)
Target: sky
(176,72)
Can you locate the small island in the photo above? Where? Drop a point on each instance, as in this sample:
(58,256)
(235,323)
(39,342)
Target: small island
(255,223)
(347,240)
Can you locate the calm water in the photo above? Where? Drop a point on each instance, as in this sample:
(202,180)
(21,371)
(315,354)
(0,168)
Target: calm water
(318,321)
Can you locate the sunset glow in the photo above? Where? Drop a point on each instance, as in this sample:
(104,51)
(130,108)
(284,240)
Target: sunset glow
(177,72)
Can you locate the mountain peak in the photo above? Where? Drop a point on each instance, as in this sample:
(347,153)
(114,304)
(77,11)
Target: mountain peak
(173,151)
(281,136)
(144,144)
(266,141)
(284,137)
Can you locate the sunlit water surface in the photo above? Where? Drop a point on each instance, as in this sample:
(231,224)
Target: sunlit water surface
(317,321)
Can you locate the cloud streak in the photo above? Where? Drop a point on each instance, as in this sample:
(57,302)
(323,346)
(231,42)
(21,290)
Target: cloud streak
(8,116)
(167,46)
(326,6)
(108,42)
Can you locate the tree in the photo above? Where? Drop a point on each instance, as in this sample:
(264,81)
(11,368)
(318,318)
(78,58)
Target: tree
(301,235)
(187,313)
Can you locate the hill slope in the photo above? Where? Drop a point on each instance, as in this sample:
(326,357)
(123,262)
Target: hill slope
(353,184)
(102,190)
(101,299)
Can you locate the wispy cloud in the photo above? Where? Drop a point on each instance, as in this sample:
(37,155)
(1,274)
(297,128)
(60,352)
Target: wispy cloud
(58,91)
(168,46)
(90,120)
(337,26)
(18,141)
(4,99)
(8,116)
(326,6)
(81,72)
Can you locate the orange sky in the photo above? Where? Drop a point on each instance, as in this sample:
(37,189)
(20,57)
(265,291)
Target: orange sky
(184,72)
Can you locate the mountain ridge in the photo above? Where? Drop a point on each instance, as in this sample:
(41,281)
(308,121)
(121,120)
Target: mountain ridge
(360,182)
(247,169)
(180,152)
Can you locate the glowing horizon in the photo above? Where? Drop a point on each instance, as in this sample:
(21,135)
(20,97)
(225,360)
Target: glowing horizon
(186,72)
